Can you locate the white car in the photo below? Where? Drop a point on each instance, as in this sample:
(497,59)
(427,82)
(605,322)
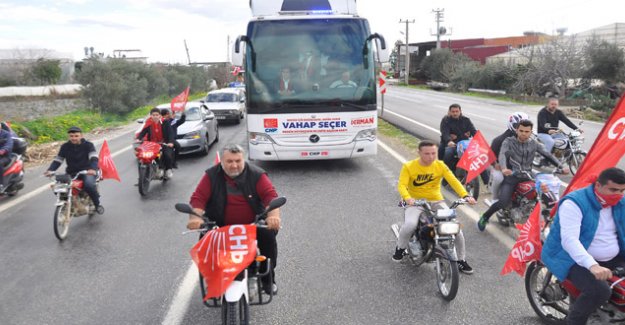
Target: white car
(228,104)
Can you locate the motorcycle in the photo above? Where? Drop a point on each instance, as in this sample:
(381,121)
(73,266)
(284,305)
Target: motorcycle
(567,149)
(150,167)
(473,187)
(551,299)
(434,240)
(245,289)
(538,187)
(14,170)
(71,201)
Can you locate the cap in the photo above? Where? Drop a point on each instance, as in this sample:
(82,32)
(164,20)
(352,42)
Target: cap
(74,129)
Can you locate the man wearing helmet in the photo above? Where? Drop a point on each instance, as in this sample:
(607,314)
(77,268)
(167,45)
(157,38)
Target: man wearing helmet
(548,120)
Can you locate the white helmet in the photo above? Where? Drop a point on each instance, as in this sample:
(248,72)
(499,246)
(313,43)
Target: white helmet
(515,118)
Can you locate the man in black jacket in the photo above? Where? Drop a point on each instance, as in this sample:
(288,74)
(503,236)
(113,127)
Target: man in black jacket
(175,123)
(79,154)
(548,120)
(454,128)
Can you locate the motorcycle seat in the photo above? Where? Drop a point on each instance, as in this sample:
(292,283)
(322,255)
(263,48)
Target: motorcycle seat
(64,178)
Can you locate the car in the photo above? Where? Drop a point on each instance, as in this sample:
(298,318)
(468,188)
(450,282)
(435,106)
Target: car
(198,132)
(228,104)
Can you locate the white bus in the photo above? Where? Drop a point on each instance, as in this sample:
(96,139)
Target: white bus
(310,79)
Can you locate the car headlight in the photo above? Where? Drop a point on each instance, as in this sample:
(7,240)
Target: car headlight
(448,228)
(193,135)
(258,138)
(234,111)
(369,134)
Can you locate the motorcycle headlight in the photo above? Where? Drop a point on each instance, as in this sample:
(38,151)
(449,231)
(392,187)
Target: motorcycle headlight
(448,228)
(60,188)
(193,135)
(259,138)
(369,134)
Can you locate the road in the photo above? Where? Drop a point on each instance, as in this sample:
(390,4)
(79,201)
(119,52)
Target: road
(131,265)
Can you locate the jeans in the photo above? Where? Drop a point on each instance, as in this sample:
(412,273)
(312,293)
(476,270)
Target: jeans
(505,194)
(89,186)
(411,221)
(594,293)
(549,139)
(167,159)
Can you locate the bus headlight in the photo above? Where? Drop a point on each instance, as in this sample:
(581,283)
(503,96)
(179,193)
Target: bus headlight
(448,228)
(259,138)
(369,134)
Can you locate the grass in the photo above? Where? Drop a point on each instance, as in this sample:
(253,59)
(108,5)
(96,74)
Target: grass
(55,128)
(407,140)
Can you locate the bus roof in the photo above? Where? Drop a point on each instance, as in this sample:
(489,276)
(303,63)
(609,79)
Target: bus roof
(261,8)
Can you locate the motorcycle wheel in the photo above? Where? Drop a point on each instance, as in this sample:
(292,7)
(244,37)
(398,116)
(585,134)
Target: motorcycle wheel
(502,219)
(235,313)
(447,278)
(61,221)
(575,161)
(144,180)
(472,188)
(550,312)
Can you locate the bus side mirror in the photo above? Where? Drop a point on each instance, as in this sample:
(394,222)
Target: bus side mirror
(384,53)
(237,52)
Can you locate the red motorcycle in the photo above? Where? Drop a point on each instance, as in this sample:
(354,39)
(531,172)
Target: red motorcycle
(552,299)
(150,166)
(14,170)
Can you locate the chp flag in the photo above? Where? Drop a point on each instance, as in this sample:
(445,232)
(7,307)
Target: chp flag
(382,81)
(477,157)
(527,247)
(180,101)
(106,164)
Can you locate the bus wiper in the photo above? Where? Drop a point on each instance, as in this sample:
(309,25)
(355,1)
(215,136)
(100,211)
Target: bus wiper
(360,107)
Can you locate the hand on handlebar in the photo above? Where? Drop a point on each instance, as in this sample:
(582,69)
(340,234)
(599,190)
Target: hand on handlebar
(506,172)
(91,172)
(600,272)
(410,201)
(273,223)
(471,200)
(194,222)
(171,145)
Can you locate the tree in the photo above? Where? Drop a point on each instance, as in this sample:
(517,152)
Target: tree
(604,61)
(442,64)
(46,72)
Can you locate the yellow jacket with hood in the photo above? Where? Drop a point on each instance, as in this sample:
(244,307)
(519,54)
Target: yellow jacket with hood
(424,182)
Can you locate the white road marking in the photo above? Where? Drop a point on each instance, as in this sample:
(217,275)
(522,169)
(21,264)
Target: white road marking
(182,298)
(413,121)
(479,116)
(42,188)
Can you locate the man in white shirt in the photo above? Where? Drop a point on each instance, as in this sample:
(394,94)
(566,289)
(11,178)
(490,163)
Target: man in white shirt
(344,82)
(587,241)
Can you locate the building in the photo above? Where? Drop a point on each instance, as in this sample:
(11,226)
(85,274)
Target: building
(15,61)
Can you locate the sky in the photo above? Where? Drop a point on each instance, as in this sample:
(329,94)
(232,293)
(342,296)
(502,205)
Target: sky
(159,27)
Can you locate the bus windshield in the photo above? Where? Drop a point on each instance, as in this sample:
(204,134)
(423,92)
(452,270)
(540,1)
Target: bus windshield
(309,65)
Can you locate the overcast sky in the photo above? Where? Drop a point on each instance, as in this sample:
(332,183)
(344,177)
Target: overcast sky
(158,27)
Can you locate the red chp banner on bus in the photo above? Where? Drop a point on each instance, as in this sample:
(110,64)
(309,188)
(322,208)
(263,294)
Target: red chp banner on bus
(222,254)
(477,157)
(527,247)
(179,102)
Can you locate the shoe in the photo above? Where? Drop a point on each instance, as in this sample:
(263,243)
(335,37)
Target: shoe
(99,209)
(399,254)
(464,267)
(481,224)
(169,173)
(269,288)
(175,166)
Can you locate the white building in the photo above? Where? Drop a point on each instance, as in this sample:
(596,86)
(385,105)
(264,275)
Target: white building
(16,60)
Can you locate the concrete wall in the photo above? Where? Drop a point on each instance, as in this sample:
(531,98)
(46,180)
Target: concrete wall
(24,109)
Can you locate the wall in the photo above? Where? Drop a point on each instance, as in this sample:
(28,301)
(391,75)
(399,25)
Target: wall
(22,109)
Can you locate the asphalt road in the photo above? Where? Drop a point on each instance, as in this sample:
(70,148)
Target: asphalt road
(130,265)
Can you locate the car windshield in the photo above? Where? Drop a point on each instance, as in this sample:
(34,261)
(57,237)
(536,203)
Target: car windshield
(221,97)
(193,114)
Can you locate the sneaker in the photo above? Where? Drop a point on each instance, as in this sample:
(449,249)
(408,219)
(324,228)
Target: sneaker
(273,286)
(169,173)
(481,224)
(464,267)
(399,254)
(99,209)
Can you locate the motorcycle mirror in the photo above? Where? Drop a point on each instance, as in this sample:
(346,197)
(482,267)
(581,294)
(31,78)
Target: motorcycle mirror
(186,208)
(276,203)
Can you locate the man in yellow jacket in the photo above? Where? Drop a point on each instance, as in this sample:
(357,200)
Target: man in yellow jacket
(421,179)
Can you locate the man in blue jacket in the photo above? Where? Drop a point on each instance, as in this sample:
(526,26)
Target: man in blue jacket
(587,241)
(6,146)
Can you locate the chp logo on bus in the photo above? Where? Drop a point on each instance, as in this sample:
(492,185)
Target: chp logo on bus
(270,124)
(363,121)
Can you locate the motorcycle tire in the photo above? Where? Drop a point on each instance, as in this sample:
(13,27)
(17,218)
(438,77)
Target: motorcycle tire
(447,278)
(235,313)
(532,280)
(144,180)
(502,220)
(575,161)
(62,219)
(473,188)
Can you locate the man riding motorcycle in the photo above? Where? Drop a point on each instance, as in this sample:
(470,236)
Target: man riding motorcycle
(161,132)
(454,128)
(548,120)
(79,154)
(587,240)
(6,147)
(234,192)
(421,179)
(515,157)
(175,123)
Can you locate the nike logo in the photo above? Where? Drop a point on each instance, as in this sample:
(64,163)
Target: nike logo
(423,179)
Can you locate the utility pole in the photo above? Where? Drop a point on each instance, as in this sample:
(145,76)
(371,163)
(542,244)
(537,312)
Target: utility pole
(407,60)
(228,49)
(439,16)
(187,49)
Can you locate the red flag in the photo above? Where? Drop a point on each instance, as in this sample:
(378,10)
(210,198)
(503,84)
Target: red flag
(217,159)
(605,152)
(106,164)
(178,103)
(236,71)
(528,246)
(222,254)
(477,157)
